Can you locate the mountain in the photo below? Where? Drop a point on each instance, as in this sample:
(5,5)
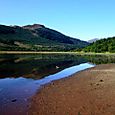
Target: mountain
(36,38)
(93,40)
(102,45)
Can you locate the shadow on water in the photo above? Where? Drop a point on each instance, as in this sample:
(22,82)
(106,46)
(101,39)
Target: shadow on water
(22,75)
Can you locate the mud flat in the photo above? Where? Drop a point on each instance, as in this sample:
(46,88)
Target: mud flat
(89,92)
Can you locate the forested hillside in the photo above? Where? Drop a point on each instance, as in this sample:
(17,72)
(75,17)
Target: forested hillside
(103,45)
(36,38)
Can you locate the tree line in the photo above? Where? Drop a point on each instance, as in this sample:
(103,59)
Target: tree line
(100,46)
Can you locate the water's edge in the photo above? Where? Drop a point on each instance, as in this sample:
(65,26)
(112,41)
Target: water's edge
(64,73)
(19,91)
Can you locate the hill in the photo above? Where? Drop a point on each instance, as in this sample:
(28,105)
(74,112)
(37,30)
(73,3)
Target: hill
(103,45)
(93,40)
(36,38)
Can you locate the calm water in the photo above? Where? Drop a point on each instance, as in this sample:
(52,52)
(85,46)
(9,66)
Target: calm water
(21,76)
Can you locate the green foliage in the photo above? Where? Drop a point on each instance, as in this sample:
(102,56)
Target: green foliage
(100,46)
(38,39)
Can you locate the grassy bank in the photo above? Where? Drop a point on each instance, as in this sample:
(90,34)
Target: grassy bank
(34,52)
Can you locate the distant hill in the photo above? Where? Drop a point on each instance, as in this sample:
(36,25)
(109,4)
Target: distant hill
(36,38)
(93,40)
(103,45)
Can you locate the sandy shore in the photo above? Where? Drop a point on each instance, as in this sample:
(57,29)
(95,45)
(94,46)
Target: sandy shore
(89,92)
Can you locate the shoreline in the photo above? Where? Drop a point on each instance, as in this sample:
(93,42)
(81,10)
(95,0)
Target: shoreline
(89,92)
(46,52)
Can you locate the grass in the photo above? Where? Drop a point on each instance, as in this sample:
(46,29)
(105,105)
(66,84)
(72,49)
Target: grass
(45,52)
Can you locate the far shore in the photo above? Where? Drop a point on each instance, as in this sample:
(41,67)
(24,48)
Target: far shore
(89,92)
(54,52)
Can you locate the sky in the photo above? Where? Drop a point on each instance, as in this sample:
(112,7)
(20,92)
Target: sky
(82,19)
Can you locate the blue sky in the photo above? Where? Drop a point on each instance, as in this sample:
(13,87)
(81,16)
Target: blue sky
(83,19)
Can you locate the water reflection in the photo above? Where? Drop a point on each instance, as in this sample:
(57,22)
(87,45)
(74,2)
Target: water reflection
(36,66)
(39,66)
(22,75)
(14,95)
(101,59)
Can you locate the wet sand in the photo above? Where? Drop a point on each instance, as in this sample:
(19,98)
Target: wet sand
(89,92)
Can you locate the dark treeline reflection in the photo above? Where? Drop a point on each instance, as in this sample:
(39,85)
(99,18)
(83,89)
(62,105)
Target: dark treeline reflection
(100,59)
(36,66)
(39,66)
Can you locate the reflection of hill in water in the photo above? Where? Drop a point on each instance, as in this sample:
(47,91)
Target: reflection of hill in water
(38,66)
(35,66)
